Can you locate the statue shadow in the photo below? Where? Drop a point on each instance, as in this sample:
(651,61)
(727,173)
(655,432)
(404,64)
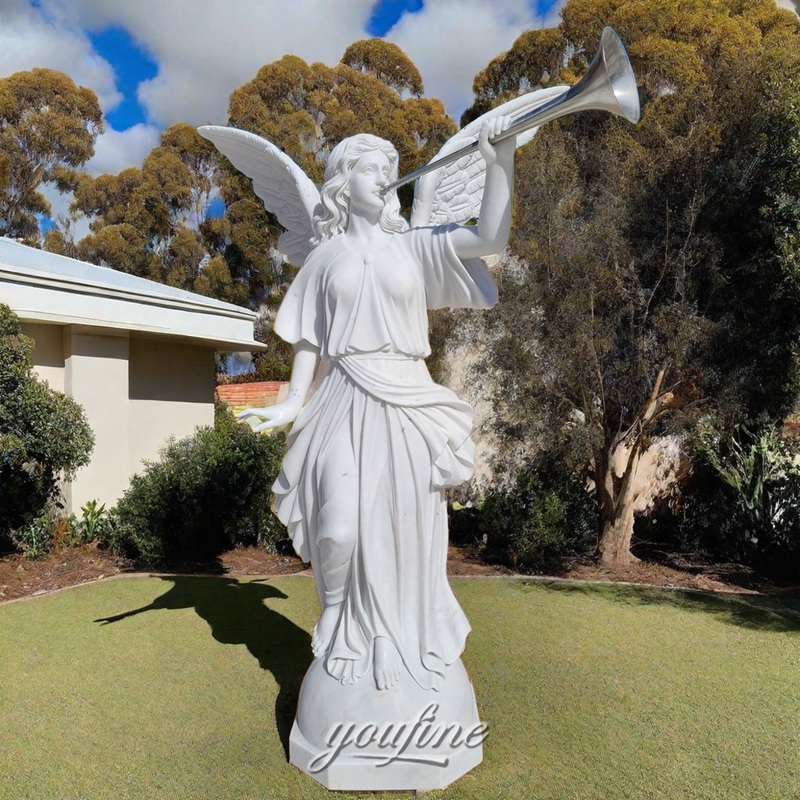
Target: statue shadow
(760,612)
(238,613)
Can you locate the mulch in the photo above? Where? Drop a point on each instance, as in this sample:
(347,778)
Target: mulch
(23,577)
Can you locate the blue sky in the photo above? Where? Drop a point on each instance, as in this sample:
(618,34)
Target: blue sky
(132,65)
(157,62)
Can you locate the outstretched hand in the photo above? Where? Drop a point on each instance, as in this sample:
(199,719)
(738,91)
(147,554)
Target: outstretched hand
(275,416)
(501,150)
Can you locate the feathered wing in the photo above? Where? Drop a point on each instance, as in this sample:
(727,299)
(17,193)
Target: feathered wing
(286,191)
(454,192)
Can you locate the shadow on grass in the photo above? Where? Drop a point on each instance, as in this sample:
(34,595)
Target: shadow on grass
(237,614)
(748,611)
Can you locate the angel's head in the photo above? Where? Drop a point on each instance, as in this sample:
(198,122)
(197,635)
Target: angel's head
(335,192)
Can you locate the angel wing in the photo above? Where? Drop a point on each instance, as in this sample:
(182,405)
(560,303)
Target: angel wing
(454,192)
(286,191)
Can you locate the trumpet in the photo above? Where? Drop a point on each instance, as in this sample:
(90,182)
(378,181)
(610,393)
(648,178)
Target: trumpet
(608,85)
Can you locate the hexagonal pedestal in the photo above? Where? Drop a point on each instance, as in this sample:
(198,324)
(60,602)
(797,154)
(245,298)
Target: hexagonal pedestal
(358,738)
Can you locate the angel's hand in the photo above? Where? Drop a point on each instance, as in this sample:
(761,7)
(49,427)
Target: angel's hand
(275,416)
(504,150)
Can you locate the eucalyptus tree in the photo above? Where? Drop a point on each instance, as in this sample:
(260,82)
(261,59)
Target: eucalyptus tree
(48,128)
(661,258)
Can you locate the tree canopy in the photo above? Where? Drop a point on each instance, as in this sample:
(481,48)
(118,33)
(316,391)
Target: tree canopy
(385,61)
(153,221)
(661,257)
(48,127)
(307,108)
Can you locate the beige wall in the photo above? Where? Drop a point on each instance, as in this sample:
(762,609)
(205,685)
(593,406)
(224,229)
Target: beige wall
(171,393)
(48,353)
(96,375)
(137,393)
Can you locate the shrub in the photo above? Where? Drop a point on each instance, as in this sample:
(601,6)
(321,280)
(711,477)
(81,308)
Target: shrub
(208,493)
(538,523)
(43,434)
(744,503)
(93,524)
(35,538)
(51,530)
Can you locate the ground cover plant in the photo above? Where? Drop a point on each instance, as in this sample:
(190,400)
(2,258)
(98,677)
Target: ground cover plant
(185,687)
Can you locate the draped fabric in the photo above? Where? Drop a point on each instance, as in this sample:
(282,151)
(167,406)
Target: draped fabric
(409,439)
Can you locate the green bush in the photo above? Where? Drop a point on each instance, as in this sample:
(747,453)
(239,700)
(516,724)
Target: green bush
(208,493)
(537,524)
(51,530)
(743,504)
(35,539)
(93,524)
(43,434)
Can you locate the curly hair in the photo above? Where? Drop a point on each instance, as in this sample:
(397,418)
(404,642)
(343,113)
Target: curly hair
(335,193)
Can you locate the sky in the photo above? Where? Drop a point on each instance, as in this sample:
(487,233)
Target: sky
(157,62)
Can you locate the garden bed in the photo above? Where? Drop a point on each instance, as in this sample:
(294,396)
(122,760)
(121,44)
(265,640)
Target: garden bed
(23,577)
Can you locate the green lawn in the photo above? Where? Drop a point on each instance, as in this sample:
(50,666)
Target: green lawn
(604,693)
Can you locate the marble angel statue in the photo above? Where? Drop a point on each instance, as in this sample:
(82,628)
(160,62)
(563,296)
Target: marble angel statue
(374,446)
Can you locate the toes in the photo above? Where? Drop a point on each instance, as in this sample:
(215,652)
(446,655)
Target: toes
(316,643)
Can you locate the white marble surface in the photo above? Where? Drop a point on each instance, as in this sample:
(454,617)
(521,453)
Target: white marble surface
(355,738)
(373,446)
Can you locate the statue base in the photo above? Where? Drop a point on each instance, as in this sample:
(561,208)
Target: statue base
(360,738)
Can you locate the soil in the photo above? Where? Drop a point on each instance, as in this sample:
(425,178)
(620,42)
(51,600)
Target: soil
(23,577)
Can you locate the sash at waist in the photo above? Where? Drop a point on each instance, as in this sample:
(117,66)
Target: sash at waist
(399,380)
(377,355)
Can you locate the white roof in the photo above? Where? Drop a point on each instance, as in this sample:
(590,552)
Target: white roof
(45,287)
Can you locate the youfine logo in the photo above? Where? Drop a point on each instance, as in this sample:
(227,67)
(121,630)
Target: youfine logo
(415,741)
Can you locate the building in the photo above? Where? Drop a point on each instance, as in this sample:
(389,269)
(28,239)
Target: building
(137,355)
(258,394)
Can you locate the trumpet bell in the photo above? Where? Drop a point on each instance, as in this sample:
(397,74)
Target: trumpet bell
(608,85)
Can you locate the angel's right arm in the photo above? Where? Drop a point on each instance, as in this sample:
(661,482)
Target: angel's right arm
(491,233)
(304,366)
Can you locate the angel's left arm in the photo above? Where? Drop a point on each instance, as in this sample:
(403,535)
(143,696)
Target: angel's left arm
(491,233)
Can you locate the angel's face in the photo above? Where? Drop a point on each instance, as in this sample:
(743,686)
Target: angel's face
(367,177)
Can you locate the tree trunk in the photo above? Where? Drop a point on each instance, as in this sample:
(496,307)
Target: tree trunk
(615,540)
(617,509)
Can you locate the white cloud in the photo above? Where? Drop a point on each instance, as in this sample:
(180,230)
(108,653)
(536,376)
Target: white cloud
(116,150)
(450,41)
(205,50)
(59,210)
(29,38)
(792,5)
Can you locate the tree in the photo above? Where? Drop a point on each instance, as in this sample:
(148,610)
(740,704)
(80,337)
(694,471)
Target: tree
(534,62)
(306,109)
(148,221)
(385,61)
(44,435)
(48,127)
(662,257)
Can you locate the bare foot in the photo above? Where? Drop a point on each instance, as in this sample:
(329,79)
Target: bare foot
(387,666)
(323,630)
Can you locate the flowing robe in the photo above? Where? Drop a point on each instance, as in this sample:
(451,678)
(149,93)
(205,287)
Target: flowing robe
(410,439)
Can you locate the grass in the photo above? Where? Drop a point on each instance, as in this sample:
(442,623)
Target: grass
(187,691)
